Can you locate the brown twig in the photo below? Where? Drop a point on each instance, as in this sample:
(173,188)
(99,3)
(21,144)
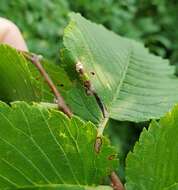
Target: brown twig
(116,183)
(35,59)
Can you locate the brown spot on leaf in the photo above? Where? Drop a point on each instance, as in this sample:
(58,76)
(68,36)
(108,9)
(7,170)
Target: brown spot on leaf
(98,144)
(37,78)
(93,73)
(111,157)
(87,84)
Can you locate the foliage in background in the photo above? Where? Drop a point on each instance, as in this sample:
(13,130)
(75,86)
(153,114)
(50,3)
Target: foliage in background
(41,22)
(153,22)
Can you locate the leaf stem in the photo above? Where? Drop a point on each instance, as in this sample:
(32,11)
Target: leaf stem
(102,126)
(116,183)
(35,59)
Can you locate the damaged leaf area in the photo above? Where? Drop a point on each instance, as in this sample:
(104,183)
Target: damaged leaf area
(41,147)
(133,84)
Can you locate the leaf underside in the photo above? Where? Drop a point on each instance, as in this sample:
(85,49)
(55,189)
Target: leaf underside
(41,148)
(153,165)
(134,84)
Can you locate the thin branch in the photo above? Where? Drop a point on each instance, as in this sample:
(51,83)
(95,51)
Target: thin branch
(116,183)
(35,59)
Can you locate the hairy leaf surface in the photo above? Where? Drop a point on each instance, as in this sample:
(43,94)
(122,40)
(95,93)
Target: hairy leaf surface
(153,165)
(134,84)
(39,147)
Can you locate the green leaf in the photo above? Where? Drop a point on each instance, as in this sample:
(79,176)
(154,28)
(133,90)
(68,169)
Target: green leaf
(153,165)
(39,147)
(15,76)
(58,76)
(29,85)
(133,84)
(65,187)
(22,80)
(172,187)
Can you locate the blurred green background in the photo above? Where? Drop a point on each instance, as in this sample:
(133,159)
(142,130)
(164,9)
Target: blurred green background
(153,22)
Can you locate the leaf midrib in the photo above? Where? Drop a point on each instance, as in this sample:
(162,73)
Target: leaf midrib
(122,80)
(103,121)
